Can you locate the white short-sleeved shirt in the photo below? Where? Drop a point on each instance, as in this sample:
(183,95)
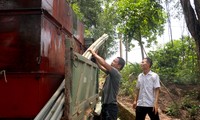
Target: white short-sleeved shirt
(146,85)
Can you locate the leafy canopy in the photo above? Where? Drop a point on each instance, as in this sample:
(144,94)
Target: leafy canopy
(98,17)
(141,18)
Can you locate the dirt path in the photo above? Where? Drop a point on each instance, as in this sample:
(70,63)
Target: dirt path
(128,103)
(174,94)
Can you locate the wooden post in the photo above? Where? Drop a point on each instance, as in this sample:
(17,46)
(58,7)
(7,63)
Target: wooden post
(68,79)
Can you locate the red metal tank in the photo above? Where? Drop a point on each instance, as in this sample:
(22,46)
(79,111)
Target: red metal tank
(32,53)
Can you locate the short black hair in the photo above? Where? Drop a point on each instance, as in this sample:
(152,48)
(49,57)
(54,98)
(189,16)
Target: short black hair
(121,62)
(149,61)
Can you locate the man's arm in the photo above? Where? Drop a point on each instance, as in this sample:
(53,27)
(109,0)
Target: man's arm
(101,61)
(157,91)
(101,67)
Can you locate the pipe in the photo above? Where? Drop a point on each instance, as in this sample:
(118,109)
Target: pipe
(60,114)
(55,105)
(95,46)
(48,105)
(58,110)
(91,46)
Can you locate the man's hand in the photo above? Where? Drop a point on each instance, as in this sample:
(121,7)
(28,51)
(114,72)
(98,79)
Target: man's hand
(134,104)
(100,61)
(91,51)
(155,108)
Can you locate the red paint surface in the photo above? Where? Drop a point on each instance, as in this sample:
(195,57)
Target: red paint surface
(32,75)
(25,94)
(32,52)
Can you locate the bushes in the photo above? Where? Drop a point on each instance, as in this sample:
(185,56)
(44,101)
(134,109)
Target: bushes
(187,104)
(129,78)
(173,110)
(177,63)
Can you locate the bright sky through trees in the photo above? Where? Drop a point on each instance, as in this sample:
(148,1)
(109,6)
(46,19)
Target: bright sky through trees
(178,29)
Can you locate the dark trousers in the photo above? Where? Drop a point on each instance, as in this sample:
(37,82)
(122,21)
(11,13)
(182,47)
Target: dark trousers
(109,112)
(141,112)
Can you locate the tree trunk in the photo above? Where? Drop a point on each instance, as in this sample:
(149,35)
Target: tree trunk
(141,45)
(126,48)
(120,44)
(193,23)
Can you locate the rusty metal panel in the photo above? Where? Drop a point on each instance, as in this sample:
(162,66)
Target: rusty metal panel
(19,46)
(32,45)
(84,86)
(33,32)
(61,11)
(19,4)
(32,50)
(52,49)
(64,15)
(33,74)
(80,31)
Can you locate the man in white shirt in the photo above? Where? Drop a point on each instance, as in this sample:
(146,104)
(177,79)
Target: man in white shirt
(147,92)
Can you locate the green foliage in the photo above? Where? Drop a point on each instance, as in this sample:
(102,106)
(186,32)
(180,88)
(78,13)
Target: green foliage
(186,103)
(177,63)
(106,24)
(190,105)
(173,110)
(129,78)
(77,10)
(140,18)
(99,17)
(193,110)
(88,10)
